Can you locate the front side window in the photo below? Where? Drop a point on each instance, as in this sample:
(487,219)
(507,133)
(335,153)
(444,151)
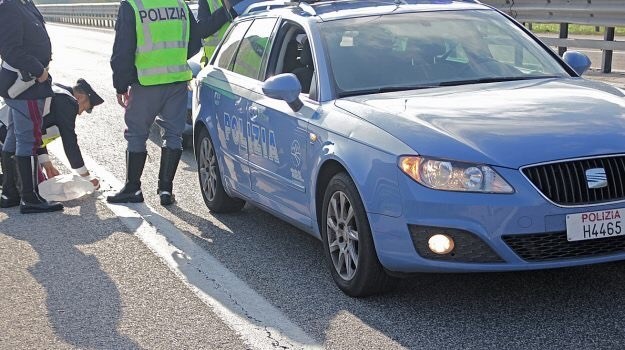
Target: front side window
(426,49)
(229,47)
(254,47)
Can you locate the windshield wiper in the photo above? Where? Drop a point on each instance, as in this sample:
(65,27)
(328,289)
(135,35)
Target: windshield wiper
(494,80)
(385,89)
(444,83)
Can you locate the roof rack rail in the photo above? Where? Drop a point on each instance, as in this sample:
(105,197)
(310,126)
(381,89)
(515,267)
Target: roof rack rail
(266,5)
(305,5)
(272,4)
(306,8)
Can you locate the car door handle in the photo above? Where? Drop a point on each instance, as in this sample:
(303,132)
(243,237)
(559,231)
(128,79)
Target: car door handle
(253,113)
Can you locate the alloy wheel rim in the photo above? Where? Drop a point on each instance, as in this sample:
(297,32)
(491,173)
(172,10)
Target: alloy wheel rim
(208,169)
(342,233)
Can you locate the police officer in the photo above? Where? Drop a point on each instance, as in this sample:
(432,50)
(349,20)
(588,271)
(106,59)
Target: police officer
(214,17)
(25,50)
(153,40)
(66,104)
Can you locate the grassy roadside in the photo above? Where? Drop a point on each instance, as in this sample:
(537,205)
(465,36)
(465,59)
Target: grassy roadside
(573,29)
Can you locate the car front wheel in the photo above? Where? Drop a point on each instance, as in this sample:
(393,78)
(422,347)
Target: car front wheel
(215,197)
(348,243)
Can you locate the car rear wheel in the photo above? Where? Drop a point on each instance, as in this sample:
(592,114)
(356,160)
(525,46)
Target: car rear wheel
(348,243)
(215,197)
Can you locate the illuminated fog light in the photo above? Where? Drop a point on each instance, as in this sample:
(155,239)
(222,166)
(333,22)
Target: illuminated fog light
(441,244)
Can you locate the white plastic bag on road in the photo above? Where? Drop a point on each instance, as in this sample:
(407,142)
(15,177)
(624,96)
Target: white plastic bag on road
(65,187)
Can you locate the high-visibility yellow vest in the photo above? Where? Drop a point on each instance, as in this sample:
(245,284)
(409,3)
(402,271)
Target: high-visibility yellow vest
(162,40)
(210,43)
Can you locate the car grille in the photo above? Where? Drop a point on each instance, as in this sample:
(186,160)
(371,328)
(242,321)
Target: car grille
(468,248)
(555,246)
(565,182)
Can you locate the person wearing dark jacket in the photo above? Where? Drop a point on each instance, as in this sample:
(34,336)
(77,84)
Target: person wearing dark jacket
(214,17)
(153,41)
(25,51)
(67,103)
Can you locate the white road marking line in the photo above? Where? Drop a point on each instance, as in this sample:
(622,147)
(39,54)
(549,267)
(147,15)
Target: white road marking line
(260,324)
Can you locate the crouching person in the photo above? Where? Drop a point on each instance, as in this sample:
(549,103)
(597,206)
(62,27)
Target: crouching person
(68,103)
(60,121)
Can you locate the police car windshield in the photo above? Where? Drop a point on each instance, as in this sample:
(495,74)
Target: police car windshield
(429,49)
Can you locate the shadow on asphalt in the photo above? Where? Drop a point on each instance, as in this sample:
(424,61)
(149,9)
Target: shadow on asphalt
(550,309)
(578,307)
(83,303)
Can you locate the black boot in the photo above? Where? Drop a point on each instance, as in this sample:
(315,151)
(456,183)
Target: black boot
(169,164)
(32,202)
(131,193)
(10,195)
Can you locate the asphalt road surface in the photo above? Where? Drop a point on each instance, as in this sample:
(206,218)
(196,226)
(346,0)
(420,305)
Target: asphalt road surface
(113,277)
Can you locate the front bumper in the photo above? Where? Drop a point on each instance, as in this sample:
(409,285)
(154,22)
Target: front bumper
(523,230)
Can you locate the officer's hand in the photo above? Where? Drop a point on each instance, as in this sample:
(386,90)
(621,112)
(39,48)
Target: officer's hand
(123,99)
(51,171)
(95,182)
(44,76)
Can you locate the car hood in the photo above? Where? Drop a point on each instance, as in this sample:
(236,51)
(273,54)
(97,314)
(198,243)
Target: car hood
(508,124)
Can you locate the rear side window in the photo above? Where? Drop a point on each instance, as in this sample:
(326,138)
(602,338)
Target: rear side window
(254,47)
(229,47)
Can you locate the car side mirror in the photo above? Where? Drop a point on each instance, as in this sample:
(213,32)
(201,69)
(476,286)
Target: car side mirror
(195,68)
(284,87)
(577,60)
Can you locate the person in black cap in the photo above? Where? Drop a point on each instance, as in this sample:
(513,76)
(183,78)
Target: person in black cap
(60,121)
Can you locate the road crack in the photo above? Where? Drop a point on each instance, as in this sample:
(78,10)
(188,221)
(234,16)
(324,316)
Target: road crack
(258,323)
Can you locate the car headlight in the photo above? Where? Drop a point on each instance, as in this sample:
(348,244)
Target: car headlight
(450,175)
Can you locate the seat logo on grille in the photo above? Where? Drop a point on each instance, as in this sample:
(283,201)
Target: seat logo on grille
(596,178)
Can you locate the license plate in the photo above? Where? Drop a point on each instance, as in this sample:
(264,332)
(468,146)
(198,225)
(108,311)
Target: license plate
(595,224)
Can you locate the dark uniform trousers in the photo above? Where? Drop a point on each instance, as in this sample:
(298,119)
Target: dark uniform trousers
(167,104)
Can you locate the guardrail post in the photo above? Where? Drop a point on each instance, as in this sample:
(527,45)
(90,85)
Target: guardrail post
(564,33)
(606,63)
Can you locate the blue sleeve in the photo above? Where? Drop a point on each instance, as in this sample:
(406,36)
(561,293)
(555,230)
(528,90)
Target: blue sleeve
(124,48)
(243,5)
(195,39)
(11,37)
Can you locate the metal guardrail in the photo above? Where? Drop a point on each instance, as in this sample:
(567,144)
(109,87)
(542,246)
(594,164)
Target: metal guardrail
(606,13)
(101,15)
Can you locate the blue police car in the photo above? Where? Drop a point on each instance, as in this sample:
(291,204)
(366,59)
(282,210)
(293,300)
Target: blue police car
(413,136)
